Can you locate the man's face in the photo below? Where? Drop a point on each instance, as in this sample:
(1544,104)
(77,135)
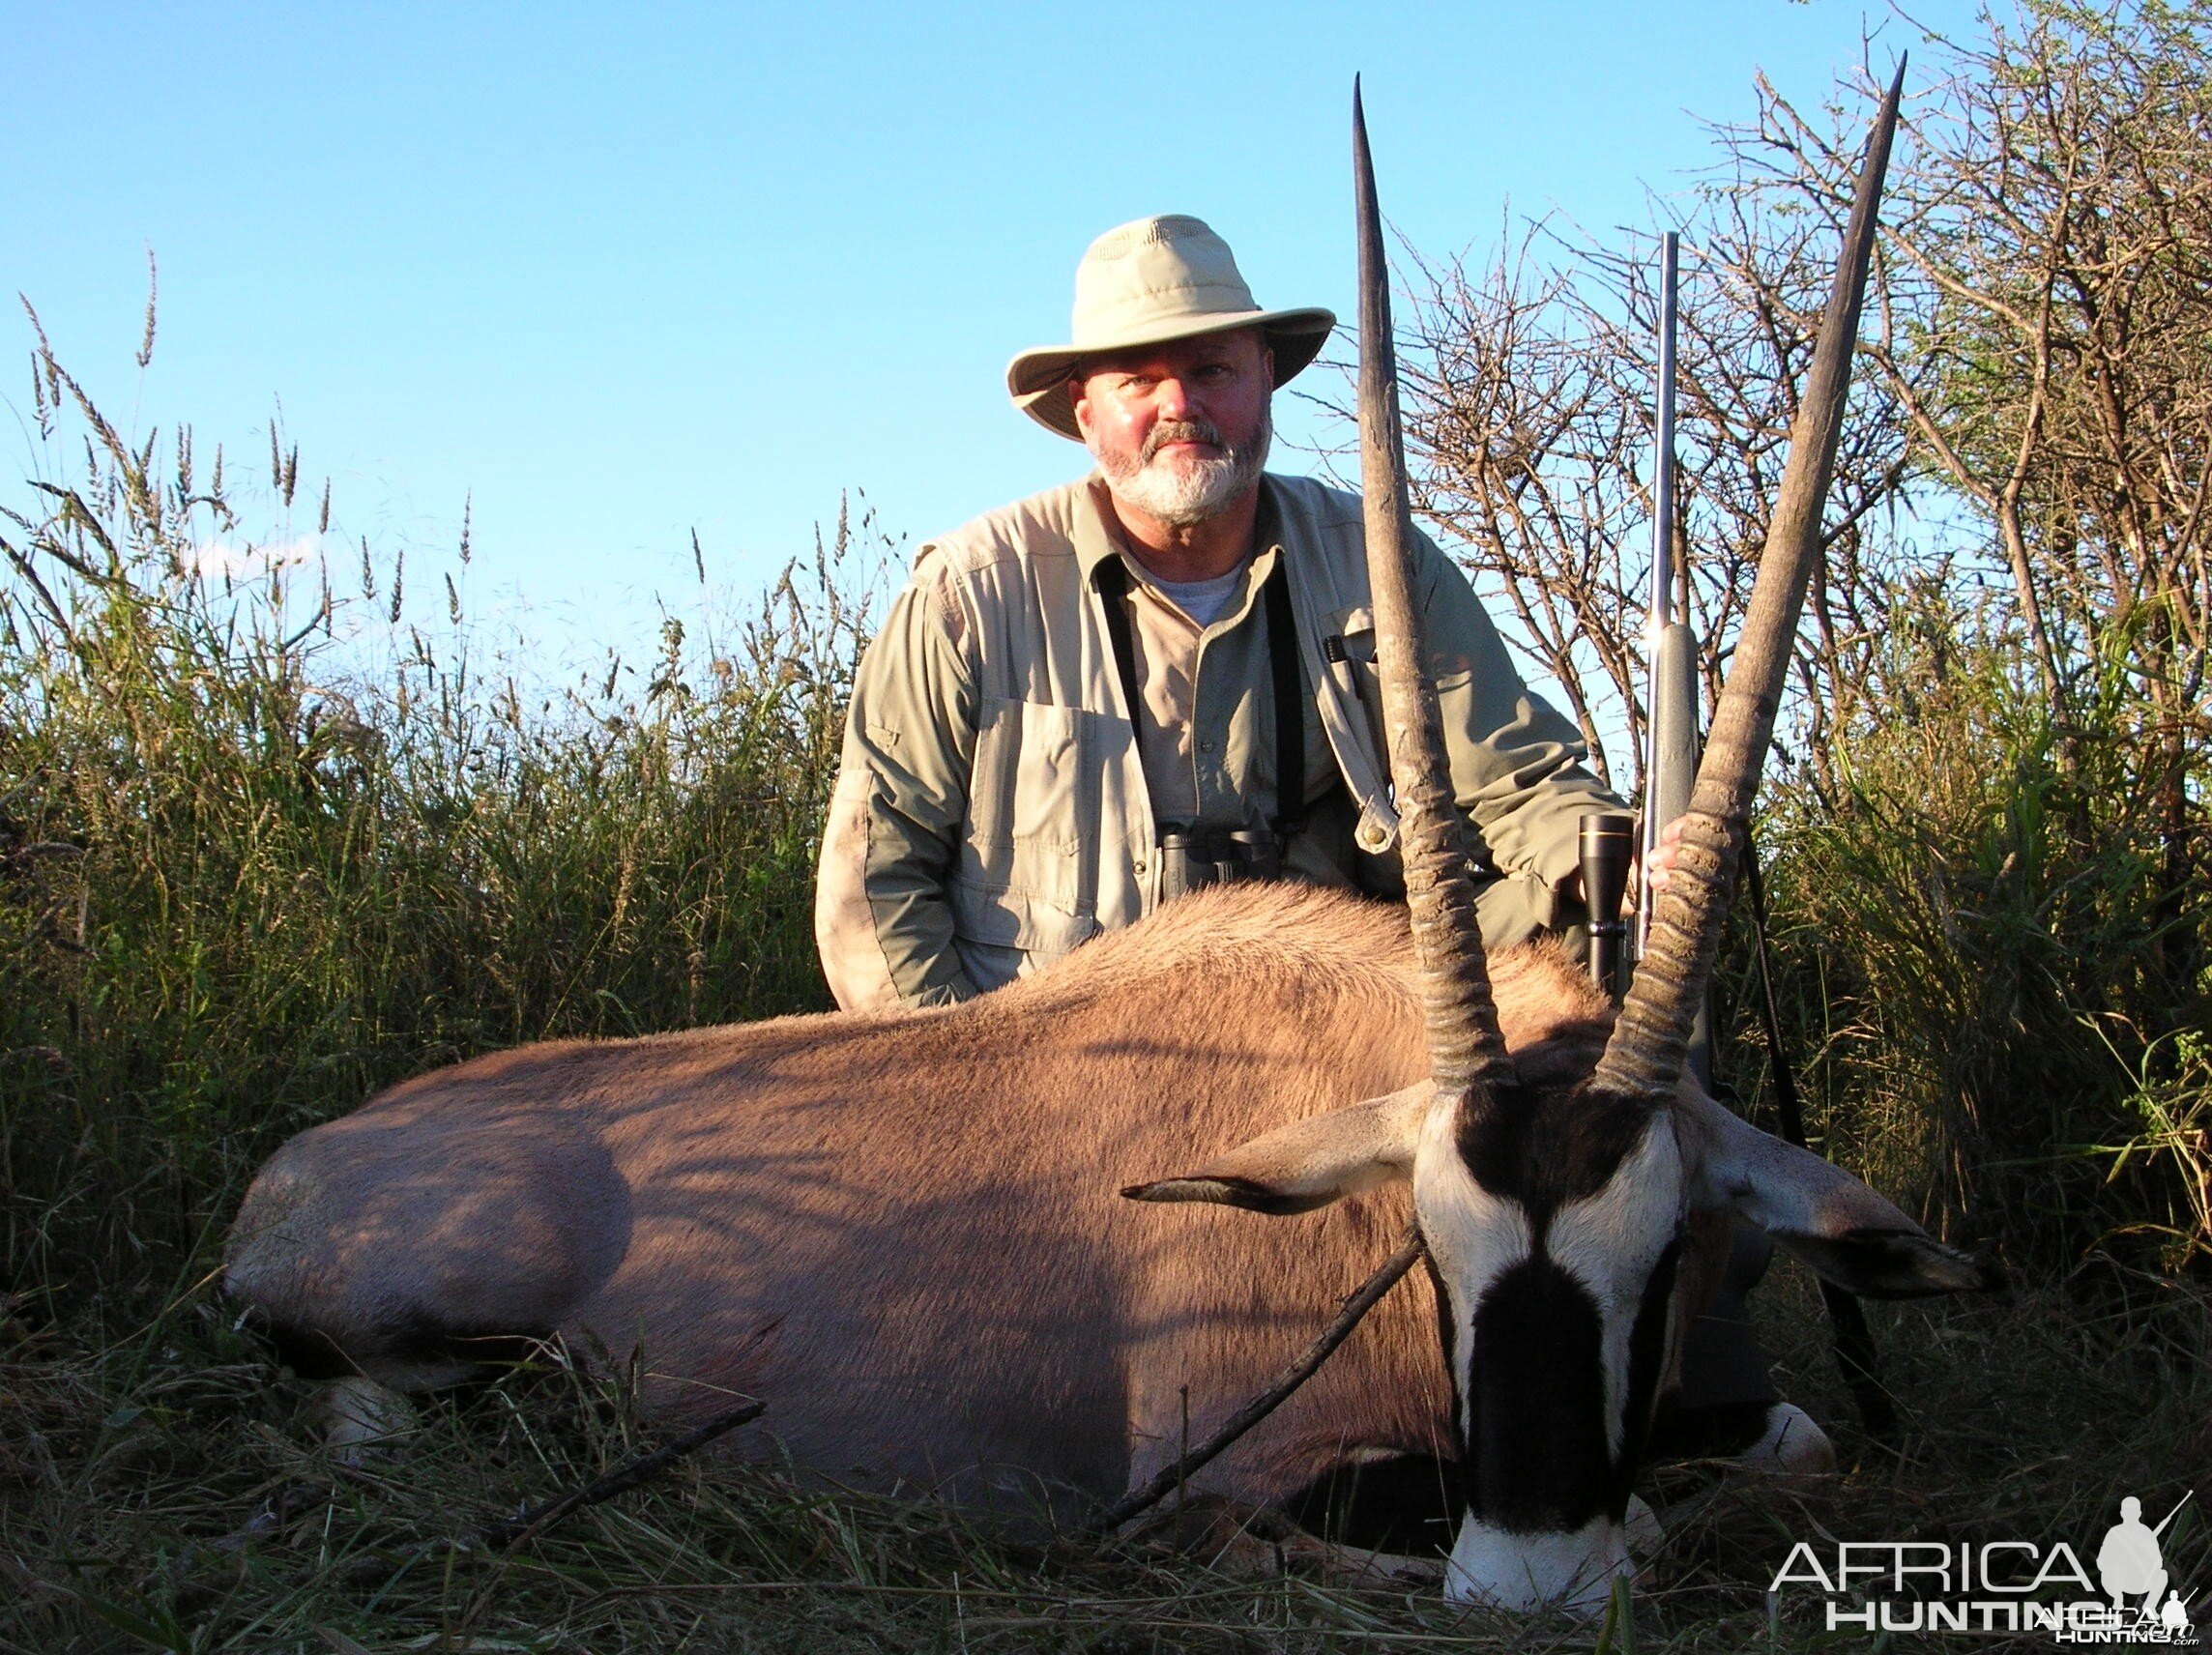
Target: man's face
(1180,430)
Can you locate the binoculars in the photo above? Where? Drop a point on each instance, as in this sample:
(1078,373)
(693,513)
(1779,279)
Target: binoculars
(1193,857)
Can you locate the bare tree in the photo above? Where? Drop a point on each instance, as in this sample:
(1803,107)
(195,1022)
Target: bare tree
(2047,297)
(1531,381)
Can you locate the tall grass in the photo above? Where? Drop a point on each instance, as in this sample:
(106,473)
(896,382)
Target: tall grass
(1972,943)
(266,845)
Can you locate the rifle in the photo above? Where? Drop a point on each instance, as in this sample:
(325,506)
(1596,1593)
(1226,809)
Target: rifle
(1670,767)
(1670,703)
(1671,648)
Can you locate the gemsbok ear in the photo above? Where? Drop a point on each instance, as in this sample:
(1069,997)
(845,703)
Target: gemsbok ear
(1312,1162)
(1817,1212)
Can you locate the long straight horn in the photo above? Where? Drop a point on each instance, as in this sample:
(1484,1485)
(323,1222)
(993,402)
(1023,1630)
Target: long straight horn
(1644,1055)
(1465,1050)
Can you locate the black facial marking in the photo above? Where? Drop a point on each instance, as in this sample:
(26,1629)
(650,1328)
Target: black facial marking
(1546,1146)
(1647,1361)
(1447,1333)
(1536,1456)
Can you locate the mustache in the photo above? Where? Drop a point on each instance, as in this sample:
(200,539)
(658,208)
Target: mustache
(1182,431)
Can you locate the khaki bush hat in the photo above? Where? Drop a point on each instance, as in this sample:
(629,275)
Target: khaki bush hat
(1145,284)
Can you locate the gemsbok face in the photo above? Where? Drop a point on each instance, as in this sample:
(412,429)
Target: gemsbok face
(1555,1205)
(1559,1219)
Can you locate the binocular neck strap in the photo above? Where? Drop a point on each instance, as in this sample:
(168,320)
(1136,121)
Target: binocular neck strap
(1112,578)
(1289,702)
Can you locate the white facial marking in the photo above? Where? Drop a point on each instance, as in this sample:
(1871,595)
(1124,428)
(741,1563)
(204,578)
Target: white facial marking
(1524,1571)
(1610,1244)
(1472,1235)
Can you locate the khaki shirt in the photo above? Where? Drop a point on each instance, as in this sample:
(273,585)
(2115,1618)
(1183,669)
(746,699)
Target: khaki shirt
(993,809)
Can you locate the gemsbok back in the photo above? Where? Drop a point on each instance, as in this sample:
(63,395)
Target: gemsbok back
(906,1232)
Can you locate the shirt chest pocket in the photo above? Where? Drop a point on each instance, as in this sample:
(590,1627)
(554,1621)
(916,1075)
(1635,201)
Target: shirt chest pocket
(1350,650)
(1033,800)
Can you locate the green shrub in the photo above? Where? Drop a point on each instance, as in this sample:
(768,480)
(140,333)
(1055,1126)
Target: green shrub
(1970,946)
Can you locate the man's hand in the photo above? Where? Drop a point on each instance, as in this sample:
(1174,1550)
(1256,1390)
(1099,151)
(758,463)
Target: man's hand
(1653,875)
(1660,868)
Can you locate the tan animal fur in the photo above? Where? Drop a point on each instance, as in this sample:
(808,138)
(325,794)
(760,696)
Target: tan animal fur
(902,1230)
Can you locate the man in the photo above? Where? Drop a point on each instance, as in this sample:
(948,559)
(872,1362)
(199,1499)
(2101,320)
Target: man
(1093,698)
(1163,675)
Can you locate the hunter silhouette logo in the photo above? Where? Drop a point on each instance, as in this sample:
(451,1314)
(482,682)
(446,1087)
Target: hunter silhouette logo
(2129,1564)
(2004,1586)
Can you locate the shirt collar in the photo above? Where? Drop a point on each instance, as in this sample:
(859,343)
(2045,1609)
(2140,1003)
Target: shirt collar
(1096,539)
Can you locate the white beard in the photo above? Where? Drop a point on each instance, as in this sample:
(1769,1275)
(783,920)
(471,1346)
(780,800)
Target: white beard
(1185,491)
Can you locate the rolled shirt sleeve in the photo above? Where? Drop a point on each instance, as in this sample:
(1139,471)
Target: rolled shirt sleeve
(1516,763)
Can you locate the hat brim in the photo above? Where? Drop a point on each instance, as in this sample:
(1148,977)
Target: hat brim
(1038,380)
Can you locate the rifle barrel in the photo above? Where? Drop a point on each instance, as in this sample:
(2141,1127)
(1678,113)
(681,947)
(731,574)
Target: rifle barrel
(1662,743)
(1662,609)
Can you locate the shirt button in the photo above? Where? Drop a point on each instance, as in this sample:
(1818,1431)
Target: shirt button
(1140,868)
(1206,746)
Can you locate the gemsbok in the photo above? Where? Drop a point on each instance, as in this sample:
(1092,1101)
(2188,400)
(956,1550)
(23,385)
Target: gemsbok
(906,1232)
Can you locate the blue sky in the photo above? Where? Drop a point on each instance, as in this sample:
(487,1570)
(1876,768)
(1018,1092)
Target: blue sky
(619,273)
